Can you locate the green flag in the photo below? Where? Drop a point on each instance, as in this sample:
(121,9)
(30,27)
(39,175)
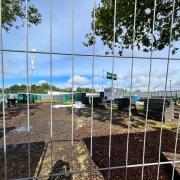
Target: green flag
(111,76)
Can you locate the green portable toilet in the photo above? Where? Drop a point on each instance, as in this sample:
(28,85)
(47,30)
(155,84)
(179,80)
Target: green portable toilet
(22,98)
(67,97)
(79,96)
(37,98)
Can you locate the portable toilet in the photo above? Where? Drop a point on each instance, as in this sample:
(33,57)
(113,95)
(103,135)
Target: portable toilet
(37,98)
(22,98)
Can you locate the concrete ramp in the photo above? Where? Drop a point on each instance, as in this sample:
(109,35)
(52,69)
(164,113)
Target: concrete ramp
(168,156)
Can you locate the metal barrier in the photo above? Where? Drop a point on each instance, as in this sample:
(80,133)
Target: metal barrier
(94,55)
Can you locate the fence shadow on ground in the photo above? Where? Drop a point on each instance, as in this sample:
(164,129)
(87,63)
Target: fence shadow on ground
(136,120)
(17,159)
(60,167)
(8,129)
(19,109)
(118,153)
(103,115)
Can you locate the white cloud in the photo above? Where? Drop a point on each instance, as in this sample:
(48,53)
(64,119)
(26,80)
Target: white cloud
(141,79)
(175,84)
(42,82)
(79,80)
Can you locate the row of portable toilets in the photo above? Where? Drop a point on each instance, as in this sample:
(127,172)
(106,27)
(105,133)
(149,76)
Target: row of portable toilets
(45,98)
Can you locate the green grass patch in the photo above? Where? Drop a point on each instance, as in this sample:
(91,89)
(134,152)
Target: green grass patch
(167,125)
(68,102)
(139,107)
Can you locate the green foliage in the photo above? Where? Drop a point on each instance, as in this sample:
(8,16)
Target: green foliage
(16,88)
(14,14)
(85,90)
(43,88)
(144,37)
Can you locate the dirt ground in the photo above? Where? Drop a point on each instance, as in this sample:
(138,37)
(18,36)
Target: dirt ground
(57,155)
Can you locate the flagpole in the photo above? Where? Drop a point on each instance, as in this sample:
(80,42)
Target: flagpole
(117,82)
(103,80)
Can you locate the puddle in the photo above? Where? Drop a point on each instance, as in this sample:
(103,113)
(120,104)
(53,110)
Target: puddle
(56,122)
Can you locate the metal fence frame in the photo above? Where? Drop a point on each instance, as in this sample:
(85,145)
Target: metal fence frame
(93,55)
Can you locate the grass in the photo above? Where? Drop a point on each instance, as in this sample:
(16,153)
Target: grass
(114,107)
(166,125)
(139,107)
(68,103)
(140,122)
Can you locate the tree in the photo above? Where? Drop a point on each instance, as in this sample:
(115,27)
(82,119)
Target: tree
(14,14)
(104,24)
(85,90)
(43,88)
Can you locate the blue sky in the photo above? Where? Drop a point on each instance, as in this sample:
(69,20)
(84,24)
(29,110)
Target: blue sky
(15,63)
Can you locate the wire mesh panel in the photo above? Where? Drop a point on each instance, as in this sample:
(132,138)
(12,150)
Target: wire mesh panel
(106,110)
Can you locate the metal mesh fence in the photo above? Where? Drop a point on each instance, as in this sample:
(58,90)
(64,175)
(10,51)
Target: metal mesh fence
(164,94)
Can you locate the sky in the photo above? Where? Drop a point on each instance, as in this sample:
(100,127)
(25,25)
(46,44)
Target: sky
(39,39)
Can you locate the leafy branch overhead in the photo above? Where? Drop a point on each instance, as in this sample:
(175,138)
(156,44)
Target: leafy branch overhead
(144,36)
(14,14)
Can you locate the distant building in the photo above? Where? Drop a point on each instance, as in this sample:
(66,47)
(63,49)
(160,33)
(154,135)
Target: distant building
(117,93)
(57,93)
